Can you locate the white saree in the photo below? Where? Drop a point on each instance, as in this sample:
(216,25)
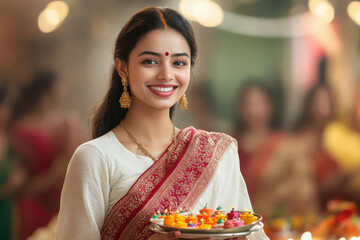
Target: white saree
(102,171)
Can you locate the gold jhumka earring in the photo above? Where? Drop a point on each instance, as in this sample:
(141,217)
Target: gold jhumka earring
(125,99)
(184,102)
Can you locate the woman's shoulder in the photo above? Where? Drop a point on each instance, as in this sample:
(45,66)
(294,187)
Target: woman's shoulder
(90,162)
(95,148)
(98,144)
(212,136)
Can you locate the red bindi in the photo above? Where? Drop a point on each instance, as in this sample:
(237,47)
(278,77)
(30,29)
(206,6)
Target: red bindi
(166,53)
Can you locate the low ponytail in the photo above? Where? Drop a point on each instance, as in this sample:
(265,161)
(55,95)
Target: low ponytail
(108,113)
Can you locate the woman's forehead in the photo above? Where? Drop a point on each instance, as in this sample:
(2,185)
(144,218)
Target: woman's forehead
(162,41)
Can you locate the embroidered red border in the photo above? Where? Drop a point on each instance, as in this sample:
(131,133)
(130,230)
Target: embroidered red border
(178,182)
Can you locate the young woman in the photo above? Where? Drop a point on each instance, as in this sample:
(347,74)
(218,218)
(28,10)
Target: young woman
(12,173)
(45,138)
(316,114)
(255,130)
(273,165)
(138,161)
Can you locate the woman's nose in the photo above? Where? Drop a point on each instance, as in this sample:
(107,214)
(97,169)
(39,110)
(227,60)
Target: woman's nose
(165,72)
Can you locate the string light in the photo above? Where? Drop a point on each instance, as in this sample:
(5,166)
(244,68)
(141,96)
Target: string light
(210,14)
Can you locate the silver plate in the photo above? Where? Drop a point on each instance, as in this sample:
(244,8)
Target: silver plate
(244,228)
(154,227)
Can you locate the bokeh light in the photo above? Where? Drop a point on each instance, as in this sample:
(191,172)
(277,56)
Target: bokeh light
(60,7)
(306,236)
(206,12)
(353,10)
(52,16)
(186,9)
(322,9)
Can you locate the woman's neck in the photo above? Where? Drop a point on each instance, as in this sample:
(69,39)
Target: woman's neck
(315,127)
(4,144)
(252,140)
(259,131)
(150,124)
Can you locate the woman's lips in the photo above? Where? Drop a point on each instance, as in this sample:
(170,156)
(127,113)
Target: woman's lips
(162,90)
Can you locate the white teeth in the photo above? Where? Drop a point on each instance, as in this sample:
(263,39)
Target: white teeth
(160,89)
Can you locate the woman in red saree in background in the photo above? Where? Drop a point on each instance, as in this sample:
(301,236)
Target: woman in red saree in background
(12,174)
(342,141)
(138,161)
(316,113)
(272,164)
(45,138)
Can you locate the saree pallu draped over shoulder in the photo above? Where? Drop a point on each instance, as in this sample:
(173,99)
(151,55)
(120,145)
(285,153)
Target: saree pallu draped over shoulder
(175,182)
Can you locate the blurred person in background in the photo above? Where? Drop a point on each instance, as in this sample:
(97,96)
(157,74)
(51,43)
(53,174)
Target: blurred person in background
(12,175)
(203,102)
(316,113)
(342,141)
(273,167)
(45,137)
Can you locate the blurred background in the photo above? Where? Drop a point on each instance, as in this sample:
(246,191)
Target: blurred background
(280,76)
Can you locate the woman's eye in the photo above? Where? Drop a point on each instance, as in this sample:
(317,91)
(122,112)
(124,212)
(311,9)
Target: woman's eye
(149,61)
(179,63)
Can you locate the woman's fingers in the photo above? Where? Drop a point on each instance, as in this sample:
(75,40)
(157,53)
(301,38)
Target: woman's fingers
(177,235)
(165,236)
(173,235)
(199,238)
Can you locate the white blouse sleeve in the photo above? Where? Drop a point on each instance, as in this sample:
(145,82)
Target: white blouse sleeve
(227,188)
(84,195)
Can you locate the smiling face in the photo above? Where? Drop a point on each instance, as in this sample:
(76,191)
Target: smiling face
(320,107)
(4,114)
(256,109)
(158,69)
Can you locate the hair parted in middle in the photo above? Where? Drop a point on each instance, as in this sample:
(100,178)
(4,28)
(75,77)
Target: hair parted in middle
(108,113)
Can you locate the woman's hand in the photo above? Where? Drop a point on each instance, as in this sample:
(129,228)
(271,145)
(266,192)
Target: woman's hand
(165,236)
(177,235)
(169,235)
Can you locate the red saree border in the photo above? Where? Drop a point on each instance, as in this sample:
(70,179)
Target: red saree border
(108,230)
(177,182)
(150,168)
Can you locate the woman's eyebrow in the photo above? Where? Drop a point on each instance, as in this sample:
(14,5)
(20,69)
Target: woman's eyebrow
(150,53)
(180,54)
(159,54)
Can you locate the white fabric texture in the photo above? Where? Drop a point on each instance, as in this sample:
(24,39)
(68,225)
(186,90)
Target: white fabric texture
(102,171)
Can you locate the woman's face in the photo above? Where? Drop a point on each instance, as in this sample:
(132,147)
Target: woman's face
(256,109)
(4,114)
(357,116)
(159,69)
(320,107)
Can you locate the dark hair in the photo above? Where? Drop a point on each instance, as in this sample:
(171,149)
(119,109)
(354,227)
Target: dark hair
(4,88)
(108,114)
(309,98)
(31,93)
(269,92)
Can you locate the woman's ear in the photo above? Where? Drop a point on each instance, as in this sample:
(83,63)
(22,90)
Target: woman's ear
(121,67)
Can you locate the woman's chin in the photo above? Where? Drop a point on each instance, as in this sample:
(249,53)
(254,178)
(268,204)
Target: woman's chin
(162,105)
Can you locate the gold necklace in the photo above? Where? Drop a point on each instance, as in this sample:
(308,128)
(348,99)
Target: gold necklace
(146,152)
